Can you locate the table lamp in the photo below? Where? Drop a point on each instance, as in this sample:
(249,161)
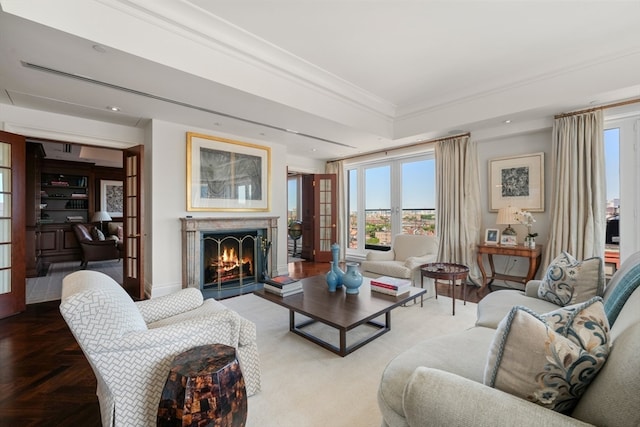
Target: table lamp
(507,216)
(100,216)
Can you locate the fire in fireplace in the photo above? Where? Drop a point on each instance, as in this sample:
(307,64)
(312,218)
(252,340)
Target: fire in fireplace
(231,259)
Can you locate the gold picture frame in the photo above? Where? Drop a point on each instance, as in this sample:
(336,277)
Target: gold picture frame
(517,181)
(227,175)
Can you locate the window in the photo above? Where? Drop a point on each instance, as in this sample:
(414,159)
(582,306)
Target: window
(389,198)
(293,199)
(612,172)
(622,168)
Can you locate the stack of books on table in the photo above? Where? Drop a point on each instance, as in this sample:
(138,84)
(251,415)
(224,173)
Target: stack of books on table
(390,285)
(283,286)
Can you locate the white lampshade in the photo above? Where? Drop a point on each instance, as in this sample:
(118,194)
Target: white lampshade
(507,216)
(100,216)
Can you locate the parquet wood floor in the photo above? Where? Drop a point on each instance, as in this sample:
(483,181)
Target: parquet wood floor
(45,380)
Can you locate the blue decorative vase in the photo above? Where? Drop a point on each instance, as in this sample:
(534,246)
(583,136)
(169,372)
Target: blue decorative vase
(352,279)
(335,252)
(332,279)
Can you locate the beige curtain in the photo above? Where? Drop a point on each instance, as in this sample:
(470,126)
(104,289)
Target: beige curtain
(337,168)
(578,203)
(458,214)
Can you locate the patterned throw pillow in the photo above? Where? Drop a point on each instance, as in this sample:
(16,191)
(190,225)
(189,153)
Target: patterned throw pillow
(549,359)
(569,281)
(97,234)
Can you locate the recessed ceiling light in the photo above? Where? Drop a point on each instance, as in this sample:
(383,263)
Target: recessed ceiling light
(99,48)
(113,108)
(507,121)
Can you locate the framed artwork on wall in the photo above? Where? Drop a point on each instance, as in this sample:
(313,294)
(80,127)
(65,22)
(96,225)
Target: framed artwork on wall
(227,175)
(491,236)
(112,197)
(517,181)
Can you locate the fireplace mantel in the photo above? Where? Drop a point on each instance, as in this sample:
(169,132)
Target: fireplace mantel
(193,228)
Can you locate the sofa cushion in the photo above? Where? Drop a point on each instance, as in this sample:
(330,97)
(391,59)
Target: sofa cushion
(614,396)
(569,281)
(387,268)
(549,359)
(623,283)
(495,306)
(442,352)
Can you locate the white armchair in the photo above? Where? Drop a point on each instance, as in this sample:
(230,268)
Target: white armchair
(130,345)
(408,252)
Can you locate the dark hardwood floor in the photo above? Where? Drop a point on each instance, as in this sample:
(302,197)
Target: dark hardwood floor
(45,380)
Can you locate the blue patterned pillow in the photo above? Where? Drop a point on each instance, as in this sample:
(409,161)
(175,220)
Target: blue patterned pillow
(569,281)
(549,359)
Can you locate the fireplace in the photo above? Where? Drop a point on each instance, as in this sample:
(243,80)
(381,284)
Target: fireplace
(226,257)
(231,257)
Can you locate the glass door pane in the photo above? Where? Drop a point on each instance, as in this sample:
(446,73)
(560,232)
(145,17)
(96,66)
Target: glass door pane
(418,197)
(5,218)
(612,177)
(326,219)
(378,206)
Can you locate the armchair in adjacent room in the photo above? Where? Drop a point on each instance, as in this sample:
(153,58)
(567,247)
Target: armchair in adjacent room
(408,252)
(131,345)
(94,245)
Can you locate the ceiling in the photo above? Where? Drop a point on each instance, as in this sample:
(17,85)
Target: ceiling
(327,79)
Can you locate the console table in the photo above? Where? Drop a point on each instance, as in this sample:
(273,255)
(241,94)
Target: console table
(534,256)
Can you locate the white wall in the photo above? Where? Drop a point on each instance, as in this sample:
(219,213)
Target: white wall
(167,183)
(505,146)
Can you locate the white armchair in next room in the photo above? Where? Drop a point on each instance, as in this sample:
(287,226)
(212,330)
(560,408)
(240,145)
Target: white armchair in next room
(408,252)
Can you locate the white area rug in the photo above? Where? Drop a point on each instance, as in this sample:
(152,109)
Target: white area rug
(49,287)
(304,385)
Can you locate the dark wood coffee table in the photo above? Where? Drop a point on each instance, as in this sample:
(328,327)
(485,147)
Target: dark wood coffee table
(339,310)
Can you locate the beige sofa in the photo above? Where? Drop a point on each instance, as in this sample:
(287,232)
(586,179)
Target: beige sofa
(408,252)
(439,382)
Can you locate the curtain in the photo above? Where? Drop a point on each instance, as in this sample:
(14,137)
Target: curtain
(458,213)
(337,168)
(578,203)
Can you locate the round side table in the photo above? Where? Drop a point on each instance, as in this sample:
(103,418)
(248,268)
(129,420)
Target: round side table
(449,272)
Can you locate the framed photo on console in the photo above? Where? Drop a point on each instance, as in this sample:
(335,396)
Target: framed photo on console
(491,236)
(508,240)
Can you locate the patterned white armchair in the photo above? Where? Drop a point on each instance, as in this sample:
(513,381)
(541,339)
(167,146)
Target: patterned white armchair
(130,345)
(408,252)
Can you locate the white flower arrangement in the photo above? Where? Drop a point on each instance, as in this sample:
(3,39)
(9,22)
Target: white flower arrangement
(526,218)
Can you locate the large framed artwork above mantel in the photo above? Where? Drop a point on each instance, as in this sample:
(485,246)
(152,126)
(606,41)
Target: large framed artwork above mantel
(227,175)
(517,181)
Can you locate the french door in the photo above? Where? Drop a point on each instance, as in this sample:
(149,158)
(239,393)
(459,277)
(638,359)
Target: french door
(389,198)
(12,224)
(133,272)
(319,216)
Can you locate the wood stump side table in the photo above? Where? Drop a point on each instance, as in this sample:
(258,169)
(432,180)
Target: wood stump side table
(446,271)
(205,387)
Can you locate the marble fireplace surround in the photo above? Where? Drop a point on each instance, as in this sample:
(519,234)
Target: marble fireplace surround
(193,228)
